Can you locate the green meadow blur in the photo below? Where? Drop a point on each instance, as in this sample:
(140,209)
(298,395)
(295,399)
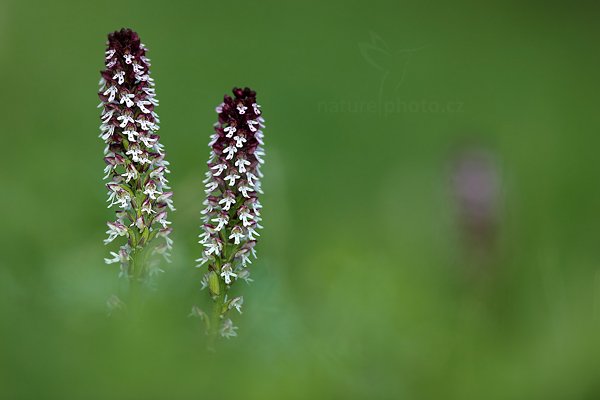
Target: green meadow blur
(369,282)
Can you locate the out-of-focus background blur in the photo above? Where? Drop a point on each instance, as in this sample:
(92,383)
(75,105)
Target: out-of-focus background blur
(431,206)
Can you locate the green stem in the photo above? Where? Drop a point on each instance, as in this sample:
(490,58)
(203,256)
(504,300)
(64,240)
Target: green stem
(215,318)
(136,280)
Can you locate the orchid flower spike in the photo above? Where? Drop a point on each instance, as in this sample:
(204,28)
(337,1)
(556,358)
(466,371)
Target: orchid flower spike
(135,159)
(231,217)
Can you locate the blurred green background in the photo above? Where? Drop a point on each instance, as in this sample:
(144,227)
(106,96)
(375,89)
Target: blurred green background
(369,283)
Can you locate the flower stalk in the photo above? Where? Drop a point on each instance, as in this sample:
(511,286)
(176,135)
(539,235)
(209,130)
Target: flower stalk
(231,216)
(135,160)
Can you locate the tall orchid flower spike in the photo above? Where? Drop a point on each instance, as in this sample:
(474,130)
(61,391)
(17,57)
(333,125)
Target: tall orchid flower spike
(232,214)
(135,159)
